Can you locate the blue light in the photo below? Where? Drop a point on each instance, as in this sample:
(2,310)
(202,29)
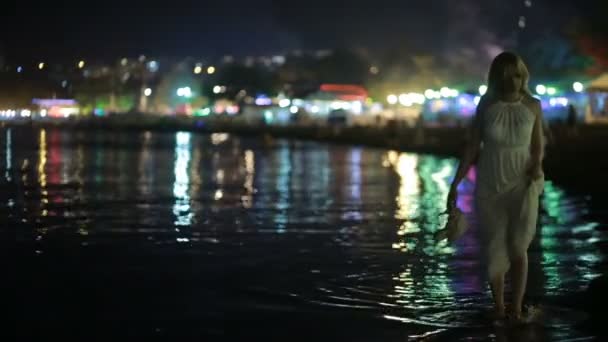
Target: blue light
(19,69)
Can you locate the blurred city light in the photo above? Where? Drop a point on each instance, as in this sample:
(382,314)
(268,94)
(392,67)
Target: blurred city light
(405,100)
(148,92)
(483,89)
(293,109)
(80,64)
(476,100)
(211,70)
(184,92)
(283,103)
(392,99)
(558,101)
(153,66)
(217,89)
(41,65)
(198,69)
(551,91)
(263,100)
(578,87)
(19,69)
(541,89)
(445,92)
(374,70)
(124,62)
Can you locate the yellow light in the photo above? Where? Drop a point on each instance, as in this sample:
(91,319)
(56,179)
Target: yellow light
(81,64)
(211,70)
(41,65)
(198,69)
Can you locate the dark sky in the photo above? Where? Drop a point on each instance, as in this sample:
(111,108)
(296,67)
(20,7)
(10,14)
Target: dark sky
(109,29)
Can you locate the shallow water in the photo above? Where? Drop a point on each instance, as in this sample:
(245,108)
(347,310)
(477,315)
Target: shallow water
(157,234)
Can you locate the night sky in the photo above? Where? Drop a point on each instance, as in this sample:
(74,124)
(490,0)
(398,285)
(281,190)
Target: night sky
(111,29)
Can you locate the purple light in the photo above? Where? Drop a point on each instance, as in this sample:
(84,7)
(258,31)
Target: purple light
(54,102)
(263,101)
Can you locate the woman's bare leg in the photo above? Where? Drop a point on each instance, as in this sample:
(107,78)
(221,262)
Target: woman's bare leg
(497,285)
(519,277)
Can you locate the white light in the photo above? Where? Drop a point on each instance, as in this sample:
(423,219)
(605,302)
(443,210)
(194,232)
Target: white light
(445,92)
(578,87)
(392,99)
(43,112)
(558,101)
(182,138)
(41,65)
(357,107)
(187,92)
(284,103)
(405,100)
(206,111)
(429,94)
(26,113)
(80,64)
(211,70)
(416,98)
(314,109)
(180,91)
(148,92)
(483,89)
(551,91)
(541,89)
(476,100)
(217,89)
(124,62)
(142,58)
(198,69)
(293,109)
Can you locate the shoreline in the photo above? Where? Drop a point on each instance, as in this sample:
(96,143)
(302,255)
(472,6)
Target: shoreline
(572,160)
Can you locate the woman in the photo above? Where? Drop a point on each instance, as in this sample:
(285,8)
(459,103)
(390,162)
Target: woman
(507,142)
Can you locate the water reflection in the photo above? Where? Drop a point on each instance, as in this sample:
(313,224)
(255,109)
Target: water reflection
(247,198)
(9,155)
(308,224)
(181,208)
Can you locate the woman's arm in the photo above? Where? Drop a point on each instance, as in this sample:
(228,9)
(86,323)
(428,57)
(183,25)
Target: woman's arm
(469,155)
(536,143)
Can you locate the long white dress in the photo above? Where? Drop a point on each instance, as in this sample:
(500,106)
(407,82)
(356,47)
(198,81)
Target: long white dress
(506,201)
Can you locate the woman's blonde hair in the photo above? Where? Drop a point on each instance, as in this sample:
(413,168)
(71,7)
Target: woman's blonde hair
(505,62)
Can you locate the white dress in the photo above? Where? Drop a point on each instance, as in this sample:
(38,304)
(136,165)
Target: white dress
(506,201)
